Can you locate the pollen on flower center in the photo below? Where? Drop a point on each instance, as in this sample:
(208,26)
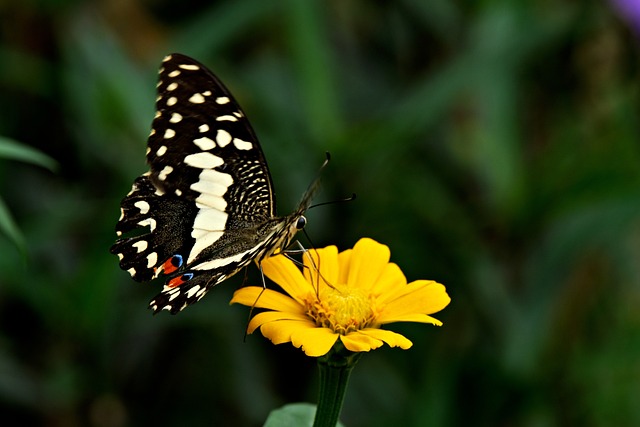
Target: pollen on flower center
(342,309)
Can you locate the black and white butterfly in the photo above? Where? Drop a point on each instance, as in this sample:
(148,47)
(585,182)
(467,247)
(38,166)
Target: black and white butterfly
(207,202)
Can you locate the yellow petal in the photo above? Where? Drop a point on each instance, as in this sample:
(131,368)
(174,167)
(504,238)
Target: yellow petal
(416,317)
(315,342)
(421,296)
(281,331)
(357,342)
(285,273)
(253,296)
(273,316)
(368,260)
(344,262)
(391,338)
(391,282)
(321,263)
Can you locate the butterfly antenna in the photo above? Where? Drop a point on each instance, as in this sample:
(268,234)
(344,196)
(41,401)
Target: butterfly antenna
(331,202)
(313,187)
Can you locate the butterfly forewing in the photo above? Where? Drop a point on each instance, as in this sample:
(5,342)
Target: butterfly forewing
(207,203)
(202,145)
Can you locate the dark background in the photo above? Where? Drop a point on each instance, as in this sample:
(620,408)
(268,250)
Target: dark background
(493,145)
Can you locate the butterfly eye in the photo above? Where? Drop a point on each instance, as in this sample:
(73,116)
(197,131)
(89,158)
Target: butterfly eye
(302,221)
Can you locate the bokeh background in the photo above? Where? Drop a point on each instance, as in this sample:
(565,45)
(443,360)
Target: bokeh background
(493,145)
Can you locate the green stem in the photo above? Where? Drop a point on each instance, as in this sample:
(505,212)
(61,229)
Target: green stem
(335,368)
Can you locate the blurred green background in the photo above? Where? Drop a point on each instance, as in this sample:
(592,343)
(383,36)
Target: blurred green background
(493,145)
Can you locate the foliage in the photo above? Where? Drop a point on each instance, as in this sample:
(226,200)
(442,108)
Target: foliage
(494,146)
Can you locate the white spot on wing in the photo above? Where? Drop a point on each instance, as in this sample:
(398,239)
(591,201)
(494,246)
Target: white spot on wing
(241,144)
(223,138)
(141,245)
(203,160)
(204,143)
(169,133)
(205,238)
(212,182)
(220,262)
(148,222)
(152,259)
(222,100)
(143,206)
(174,73)
(189,67)
(165,172)
(172,101)
(192,291)
(207,93)
(132,271)
(211,220)
(211,197)
(196,98)
(225,118)
(215,203)
(172,86)
(161,150)
(175,118)
(203,128)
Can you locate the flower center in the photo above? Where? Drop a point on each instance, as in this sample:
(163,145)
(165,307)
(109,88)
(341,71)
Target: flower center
(341,308)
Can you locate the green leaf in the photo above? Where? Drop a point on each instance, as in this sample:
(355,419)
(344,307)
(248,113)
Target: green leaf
(9,227)
(11,149)
(293,415)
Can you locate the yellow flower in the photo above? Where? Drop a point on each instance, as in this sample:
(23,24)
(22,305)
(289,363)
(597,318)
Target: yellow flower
(346,296)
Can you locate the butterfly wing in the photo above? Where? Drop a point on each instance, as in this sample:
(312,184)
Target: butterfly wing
(208,187)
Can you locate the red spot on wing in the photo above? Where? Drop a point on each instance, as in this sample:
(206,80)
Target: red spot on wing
(176,281)
(168,266)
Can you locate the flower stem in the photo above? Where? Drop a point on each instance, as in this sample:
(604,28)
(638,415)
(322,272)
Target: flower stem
(335,368)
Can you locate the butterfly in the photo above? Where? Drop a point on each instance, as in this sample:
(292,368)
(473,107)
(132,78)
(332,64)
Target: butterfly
(206,208)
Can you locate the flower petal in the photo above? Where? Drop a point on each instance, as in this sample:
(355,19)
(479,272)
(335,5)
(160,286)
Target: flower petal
(273,316)
(393,339)
(258,297)
(281,331)
(315,342)
(420,296)
(284,272)
(368,260)
(356,342)
(391,282)
(324,261)
(344,262)
(416,317)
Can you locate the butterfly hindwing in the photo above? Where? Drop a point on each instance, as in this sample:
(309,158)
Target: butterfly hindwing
(166,217)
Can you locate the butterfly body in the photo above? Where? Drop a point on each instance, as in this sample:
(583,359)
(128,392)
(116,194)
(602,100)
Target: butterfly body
(207,203)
